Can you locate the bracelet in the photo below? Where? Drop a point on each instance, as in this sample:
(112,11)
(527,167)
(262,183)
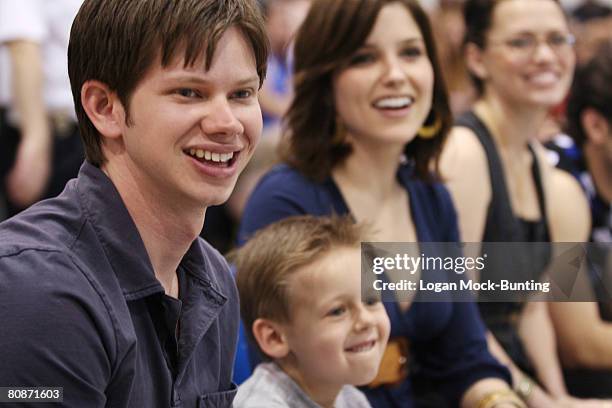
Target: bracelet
(494,398)
(524,387)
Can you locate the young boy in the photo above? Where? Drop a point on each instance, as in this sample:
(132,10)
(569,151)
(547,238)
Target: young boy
(300,290)
(106,290)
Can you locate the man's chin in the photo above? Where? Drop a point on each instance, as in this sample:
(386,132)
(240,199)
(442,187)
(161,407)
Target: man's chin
(220,197)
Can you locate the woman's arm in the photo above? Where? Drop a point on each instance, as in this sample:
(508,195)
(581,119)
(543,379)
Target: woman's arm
(584,338)
(537,397)
(465,172)
(568,221)
(490,392)
(538,336)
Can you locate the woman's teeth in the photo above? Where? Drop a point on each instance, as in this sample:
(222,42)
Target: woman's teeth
(398,102)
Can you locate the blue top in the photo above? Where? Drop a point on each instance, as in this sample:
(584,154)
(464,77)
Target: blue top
(81,308)
(447,339)
(279,75)
(567,156)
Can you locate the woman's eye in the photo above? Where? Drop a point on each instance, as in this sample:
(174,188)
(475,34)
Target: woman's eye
(521,43)
(362,58)
(412,52)
(187,93)
(558,40)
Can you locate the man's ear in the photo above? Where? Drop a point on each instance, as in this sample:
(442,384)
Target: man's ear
(103,108)
(271,338)
(474,61)
(596,127)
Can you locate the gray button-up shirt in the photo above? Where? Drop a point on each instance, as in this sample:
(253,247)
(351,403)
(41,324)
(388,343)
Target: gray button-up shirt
(80,308)
(270,387)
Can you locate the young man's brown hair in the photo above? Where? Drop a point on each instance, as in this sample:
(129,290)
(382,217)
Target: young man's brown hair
(117,41)
(267,262)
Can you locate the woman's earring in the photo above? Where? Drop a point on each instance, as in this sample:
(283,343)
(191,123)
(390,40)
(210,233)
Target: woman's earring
(430,131)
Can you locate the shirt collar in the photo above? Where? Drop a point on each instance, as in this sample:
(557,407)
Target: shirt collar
(114,227)
(123,246)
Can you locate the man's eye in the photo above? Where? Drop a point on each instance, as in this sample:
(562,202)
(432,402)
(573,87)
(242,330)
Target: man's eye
(243,94)
(187,93)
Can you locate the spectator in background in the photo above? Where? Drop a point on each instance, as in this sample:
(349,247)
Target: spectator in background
(592,24)
(520,54)
(283,18)
(39,141)
(449,29)
(585,329)
(587,151)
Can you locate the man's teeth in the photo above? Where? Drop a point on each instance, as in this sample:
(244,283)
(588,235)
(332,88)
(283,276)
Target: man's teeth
(216,157)
(394,103)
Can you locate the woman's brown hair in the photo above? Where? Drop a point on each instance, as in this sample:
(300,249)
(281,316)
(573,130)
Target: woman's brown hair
(331,34)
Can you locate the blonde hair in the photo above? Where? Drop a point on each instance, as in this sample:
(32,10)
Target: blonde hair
(266,263)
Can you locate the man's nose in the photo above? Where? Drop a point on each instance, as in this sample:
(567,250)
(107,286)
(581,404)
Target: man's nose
(220,119)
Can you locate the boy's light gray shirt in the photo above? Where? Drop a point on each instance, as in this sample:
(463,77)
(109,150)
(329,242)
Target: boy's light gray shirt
(270,387)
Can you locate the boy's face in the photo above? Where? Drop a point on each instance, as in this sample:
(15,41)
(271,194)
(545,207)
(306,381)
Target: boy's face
(193,131)
(334,337)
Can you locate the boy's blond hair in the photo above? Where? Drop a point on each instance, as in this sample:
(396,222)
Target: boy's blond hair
(266,263)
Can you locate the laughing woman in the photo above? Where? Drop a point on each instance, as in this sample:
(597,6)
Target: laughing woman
(370,112)
(520,55)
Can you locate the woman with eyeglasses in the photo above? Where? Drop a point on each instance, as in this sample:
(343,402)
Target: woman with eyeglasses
(520,55)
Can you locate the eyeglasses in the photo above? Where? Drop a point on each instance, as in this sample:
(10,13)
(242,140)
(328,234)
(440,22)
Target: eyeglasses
(526,45)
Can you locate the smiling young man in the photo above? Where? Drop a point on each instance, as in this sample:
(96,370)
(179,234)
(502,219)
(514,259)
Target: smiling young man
(106,290)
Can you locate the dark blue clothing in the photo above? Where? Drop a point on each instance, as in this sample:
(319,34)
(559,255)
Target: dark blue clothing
(569,157)
(447,340)
(81,308)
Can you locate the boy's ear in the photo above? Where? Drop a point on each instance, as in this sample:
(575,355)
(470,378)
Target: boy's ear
(596,126)
(103,108)
(270,338)
(474,61)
